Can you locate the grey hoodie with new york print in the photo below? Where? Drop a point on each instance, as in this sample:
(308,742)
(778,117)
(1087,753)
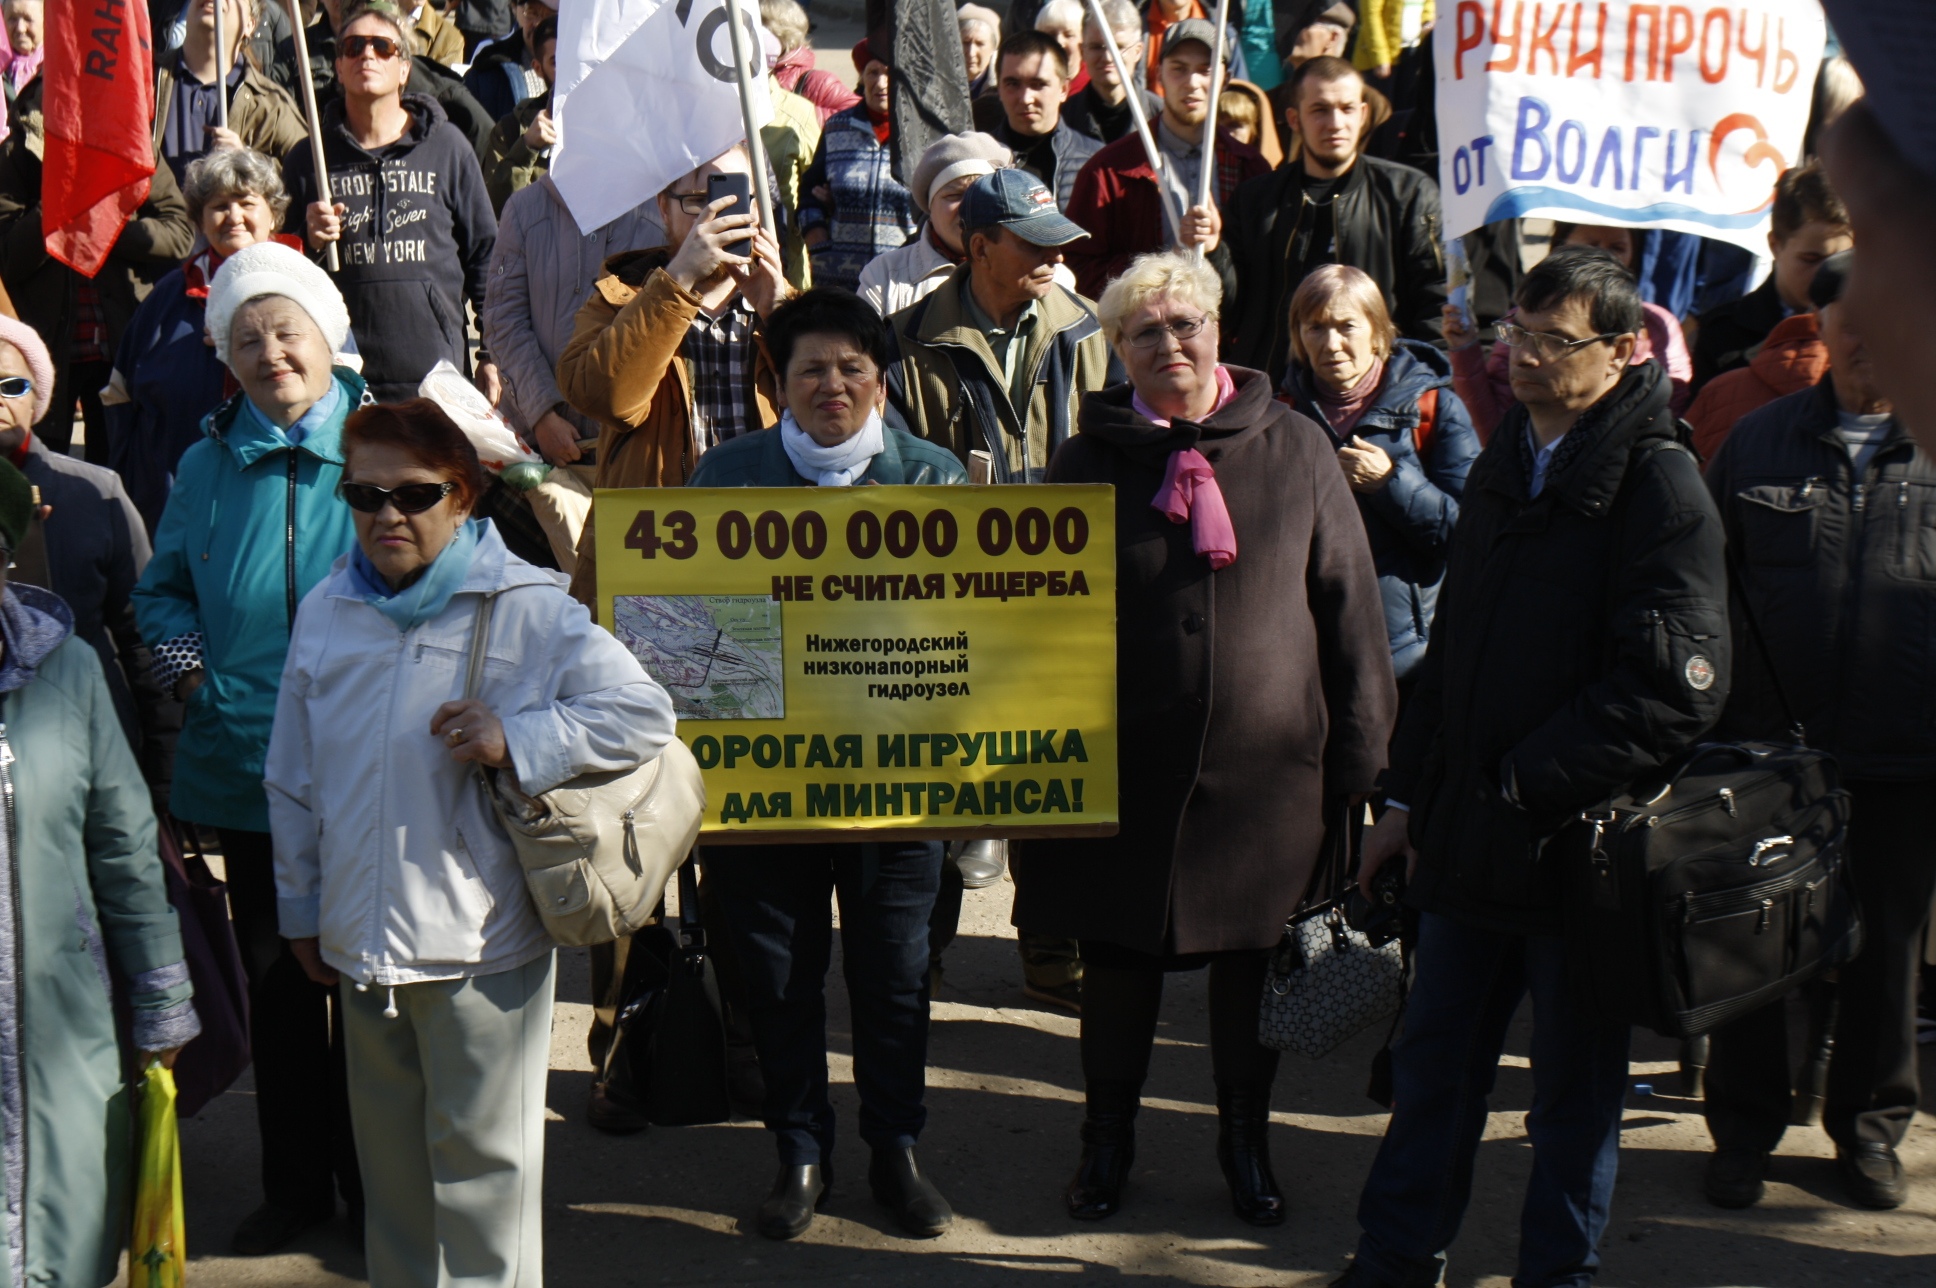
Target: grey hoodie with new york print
(417,238)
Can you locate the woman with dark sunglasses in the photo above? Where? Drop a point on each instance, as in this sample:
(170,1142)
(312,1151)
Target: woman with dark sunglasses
(397,885)
(252,523)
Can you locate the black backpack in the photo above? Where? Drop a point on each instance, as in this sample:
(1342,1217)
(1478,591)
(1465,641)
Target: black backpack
(1712,893)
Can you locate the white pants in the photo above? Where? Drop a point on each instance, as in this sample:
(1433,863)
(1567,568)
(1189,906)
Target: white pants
(448,1103)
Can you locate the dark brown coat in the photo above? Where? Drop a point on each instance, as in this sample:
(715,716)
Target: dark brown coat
(1245,696)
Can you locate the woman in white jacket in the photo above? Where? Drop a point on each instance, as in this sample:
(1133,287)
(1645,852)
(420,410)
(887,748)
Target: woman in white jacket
(393,876)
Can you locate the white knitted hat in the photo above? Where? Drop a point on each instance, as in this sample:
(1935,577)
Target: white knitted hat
(270,268)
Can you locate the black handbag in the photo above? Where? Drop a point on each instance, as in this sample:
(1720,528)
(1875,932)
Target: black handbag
(668,1051)
(1327,980)
(1717,888)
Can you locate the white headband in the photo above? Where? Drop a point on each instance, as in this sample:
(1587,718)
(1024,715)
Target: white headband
(972,165)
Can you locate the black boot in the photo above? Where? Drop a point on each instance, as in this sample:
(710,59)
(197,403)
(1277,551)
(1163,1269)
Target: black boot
(1243,1148)
(798,1191)
(1108,1149)
(900,1188)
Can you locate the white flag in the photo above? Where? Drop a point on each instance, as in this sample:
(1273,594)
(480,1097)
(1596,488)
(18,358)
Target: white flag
(645,93)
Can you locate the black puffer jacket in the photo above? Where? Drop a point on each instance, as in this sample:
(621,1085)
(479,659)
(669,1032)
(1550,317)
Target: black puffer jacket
(417,241)
(1387,223)
(1581,642)
(1840,571)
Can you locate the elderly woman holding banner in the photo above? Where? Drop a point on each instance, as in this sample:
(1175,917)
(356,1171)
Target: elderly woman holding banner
(831,351)
(1252,671)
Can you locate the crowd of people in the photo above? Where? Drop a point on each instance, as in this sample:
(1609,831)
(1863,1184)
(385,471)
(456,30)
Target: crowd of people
(1452,570)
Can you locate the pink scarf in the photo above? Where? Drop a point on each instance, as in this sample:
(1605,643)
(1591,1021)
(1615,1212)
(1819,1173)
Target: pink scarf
(1344,410)
(1190,494)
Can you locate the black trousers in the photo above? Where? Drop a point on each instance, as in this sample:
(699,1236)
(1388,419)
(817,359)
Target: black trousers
(1872,1079)
(775,902)
(1122,991)
(302,1101)
(82,380)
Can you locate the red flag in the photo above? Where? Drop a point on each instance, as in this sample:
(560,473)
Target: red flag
(99,108)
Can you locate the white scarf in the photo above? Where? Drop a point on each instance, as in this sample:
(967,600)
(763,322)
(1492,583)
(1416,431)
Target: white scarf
(838,466)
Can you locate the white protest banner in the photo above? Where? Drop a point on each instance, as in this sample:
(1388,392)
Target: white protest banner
(646,93)
(1674,116)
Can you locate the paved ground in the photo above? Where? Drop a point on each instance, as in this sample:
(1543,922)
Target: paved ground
(673,1206)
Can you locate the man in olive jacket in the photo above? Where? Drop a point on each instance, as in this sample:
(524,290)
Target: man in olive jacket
(1830,509)
(1581,643)
(998,357)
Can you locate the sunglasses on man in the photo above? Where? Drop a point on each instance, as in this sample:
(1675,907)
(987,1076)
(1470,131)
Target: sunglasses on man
(382,46)
(411,498)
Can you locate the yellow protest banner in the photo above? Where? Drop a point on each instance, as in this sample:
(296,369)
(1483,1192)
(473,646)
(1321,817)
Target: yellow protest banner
(930,661)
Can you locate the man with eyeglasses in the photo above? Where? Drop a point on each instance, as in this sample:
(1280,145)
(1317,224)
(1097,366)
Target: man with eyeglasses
(1101,110)
(1581,642)
(1328,204)
(410,218)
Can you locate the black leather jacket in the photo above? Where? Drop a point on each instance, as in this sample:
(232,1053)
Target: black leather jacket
(1387,223)
(1840,571)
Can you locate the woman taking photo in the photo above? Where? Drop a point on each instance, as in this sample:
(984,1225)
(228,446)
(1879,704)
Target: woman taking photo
(1251,665)
(831,350)
(395,882)
(252,523)
(1401,435)
(80,889)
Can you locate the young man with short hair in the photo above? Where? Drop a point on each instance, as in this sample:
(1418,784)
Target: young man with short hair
(1808,224)
(1332,205)
(1581,642)
(1025,112)
(1119,199)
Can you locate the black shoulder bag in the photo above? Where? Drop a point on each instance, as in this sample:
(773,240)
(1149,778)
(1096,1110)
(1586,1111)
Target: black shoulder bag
(1717,887)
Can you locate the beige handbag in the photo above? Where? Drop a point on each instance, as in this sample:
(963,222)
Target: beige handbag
(598,850)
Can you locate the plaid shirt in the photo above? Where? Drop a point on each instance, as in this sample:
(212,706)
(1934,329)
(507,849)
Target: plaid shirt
(720,351)
(90,326)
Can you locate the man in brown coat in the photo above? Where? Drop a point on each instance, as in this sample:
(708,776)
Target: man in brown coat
(666,354)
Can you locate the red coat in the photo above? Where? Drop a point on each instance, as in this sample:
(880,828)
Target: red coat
(1117,201)
(1792,358)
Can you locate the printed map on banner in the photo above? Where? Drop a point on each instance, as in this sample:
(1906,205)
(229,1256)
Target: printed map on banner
(1677,116)
(719,656)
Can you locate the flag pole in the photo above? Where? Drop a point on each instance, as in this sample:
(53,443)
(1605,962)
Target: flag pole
(222,65)
(315,121)
(1205,178)
(1136,110)
(755,147)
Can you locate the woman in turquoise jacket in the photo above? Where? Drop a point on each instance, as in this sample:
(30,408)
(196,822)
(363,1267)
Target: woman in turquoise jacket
(253,522)
(77,854)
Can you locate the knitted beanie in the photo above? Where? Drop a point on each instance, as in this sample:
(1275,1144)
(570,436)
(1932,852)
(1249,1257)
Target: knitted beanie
(24,338)
(270,268)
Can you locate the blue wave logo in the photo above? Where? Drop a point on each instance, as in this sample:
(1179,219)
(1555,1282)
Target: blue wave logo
(1511,205)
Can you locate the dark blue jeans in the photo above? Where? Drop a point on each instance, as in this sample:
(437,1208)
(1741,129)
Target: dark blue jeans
(775,901)
(1469,983)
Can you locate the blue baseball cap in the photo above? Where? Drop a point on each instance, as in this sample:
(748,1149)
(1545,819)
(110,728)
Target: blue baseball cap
(1016,200)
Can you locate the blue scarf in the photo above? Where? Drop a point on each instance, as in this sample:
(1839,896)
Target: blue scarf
(425,597)
(315,418)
